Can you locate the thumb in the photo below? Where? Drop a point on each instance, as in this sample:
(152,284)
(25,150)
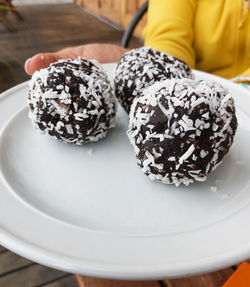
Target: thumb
(40,61)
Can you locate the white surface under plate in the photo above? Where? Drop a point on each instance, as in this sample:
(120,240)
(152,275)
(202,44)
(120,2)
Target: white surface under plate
(90,210)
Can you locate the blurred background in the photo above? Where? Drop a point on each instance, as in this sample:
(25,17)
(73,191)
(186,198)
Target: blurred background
(28,27)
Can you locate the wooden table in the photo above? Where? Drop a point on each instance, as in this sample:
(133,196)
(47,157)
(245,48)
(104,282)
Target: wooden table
(215,279)
(49,28)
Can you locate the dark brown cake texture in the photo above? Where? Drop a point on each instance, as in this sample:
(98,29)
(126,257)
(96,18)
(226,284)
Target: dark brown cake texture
(142,67)
(181,129)
(72,101)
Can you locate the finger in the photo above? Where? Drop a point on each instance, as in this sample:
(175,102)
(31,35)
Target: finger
(40,61)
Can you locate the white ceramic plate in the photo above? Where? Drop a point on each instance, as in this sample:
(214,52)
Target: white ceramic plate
(90,210)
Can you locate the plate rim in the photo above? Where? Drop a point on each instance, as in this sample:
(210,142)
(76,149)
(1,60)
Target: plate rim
(116,271)
(33,252)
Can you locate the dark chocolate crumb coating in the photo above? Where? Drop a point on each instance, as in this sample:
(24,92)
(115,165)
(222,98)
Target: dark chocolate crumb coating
(181,129)
(72,101)
(142,67)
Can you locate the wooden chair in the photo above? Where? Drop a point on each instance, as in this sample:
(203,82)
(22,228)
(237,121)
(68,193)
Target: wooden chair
(5,7)
(130,29)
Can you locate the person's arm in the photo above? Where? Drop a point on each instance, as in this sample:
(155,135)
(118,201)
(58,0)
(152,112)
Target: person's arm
(104,53)
(170,28)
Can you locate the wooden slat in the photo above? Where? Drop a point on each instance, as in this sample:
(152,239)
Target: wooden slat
(68,281)
(131,6)
(10,261)
(127,15)
(93,5)
(214,279)
(84,281)
(111,10)
(78,2)
(31,276)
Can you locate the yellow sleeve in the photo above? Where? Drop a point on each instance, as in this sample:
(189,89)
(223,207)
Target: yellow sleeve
(170,28)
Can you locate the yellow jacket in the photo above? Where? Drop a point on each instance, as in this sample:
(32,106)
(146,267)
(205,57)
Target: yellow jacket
(209,35)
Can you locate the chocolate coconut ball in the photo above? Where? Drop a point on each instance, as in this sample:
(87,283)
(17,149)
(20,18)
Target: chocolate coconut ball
(72,101)
(142,67)
(181,129)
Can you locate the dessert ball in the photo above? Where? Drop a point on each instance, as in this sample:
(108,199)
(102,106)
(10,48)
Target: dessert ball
(72,101)
(142,67)
(181,129)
